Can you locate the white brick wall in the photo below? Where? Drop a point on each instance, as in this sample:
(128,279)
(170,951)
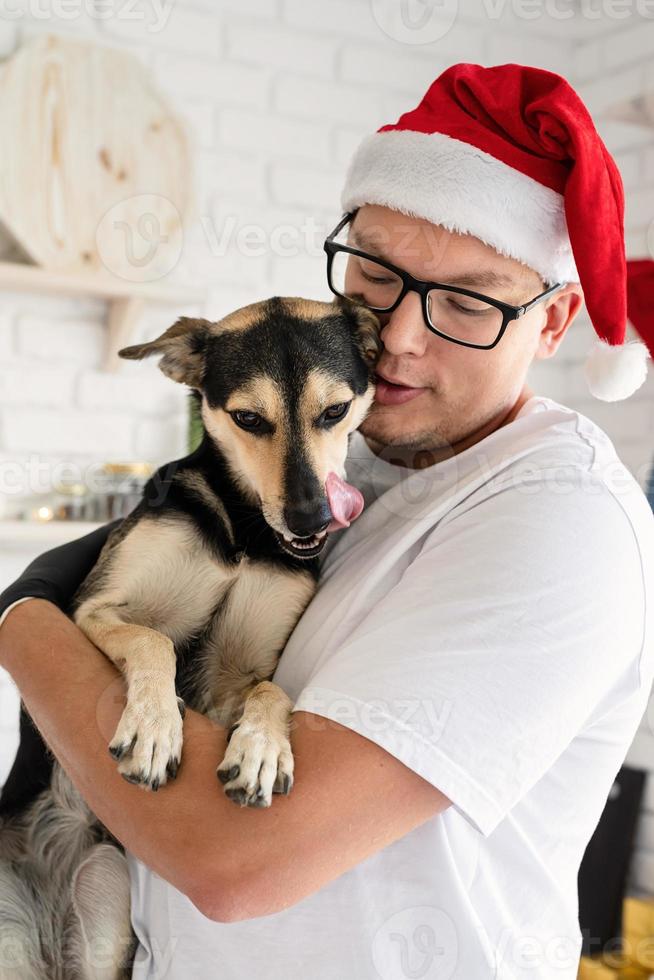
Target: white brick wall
(276,94)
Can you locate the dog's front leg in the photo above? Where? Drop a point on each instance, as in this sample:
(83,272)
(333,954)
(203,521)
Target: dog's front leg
(258,761)
(249,635)
(148,740)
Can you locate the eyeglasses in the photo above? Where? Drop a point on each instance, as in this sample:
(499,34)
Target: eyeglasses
(460,315)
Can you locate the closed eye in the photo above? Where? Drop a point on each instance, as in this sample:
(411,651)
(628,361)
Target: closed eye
(251,422)
(335,413)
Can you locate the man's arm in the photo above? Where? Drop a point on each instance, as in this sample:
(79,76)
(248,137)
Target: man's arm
(233,863)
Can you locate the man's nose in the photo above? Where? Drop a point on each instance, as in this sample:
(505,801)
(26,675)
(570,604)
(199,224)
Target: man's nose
(404,331)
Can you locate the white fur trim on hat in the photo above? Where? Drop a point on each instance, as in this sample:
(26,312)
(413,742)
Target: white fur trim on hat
(615,372)
(453,184)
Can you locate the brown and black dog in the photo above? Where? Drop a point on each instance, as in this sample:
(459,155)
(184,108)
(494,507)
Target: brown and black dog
(193,598)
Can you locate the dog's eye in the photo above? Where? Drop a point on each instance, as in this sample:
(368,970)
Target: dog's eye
(336,412)
(247,420)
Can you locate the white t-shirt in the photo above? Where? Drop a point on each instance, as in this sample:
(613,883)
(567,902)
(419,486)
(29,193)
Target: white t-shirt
(484,621)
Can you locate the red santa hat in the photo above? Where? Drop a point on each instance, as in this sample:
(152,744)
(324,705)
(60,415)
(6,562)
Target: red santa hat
(510,155)
(640,298)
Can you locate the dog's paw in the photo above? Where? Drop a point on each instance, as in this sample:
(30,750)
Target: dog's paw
(257,763)
(148,741)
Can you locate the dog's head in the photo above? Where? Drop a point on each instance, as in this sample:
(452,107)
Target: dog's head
(283,383)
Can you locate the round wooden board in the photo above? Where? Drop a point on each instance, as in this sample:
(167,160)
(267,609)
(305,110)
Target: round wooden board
(95,172)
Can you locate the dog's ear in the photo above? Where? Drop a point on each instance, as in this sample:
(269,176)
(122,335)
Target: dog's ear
(367,328)
(183,347)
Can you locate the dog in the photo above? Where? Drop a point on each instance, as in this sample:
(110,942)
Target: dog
(193,598)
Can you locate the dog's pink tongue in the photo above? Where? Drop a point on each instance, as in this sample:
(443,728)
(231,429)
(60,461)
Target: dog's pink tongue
(345,502)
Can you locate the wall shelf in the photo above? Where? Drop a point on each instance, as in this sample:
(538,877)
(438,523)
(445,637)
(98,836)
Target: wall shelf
(126,300)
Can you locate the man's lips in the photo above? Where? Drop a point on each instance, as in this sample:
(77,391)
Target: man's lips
(390,392)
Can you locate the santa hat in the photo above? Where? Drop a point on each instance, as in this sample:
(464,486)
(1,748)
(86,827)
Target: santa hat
(510,155)
(640,298)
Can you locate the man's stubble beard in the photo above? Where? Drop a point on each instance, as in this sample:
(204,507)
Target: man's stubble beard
(432,439)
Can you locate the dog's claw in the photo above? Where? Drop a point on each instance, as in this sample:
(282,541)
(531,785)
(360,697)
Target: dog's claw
(137,778)
(118,751)
(226,775)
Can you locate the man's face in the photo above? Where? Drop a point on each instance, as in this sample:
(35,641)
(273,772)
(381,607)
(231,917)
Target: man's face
(457,391)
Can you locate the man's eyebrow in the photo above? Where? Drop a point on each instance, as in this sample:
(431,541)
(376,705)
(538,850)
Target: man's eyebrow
(486,278)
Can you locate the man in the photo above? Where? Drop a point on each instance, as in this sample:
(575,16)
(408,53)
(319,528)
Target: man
(473,669)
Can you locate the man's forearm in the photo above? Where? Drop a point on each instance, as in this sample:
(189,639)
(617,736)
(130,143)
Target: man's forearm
(76,696)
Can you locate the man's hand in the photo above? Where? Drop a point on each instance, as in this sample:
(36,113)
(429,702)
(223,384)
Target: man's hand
(350,798)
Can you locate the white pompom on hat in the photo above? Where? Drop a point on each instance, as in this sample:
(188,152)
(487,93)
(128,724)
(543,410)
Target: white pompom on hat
(511,155)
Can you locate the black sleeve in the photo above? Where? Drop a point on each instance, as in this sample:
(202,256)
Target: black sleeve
(56,574)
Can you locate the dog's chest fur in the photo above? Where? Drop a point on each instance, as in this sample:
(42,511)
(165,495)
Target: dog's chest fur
(204,570)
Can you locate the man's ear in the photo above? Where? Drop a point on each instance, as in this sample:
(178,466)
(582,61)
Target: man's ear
(183,347)
(560,312)
(366,326)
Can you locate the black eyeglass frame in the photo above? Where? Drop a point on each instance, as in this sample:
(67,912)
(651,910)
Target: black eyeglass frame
(422,287)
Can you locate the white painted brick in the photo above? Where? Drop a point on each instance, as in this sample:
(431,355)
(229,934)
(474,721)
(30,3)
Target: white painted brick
(304,186)
(143,389)
(587,60)
(222,258)
(200,120)
(280,48)
(629,46)
(639,207)
(6,338)
(231,176)
(621,420)
(40,430)
(609,90)
(273,135)
(158,442)
(226,84)
(79,342)
(282,230)
(312,99)
(642,872)
(636,242)
(343,17)
(225,299)
(389,66)
(641,752)
(648,795)
(257,10)
(622,135)
(345,142)
(629,167)
(8,38)
(51,17)
(648,164)
(645,833)
(26,383)
(552,55)
(58,307)
(638,457)
(301,275)
(167,25)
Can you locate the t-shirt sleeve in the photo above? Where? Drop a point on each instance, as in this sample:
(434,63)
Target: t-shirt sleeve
(522,616)
(56,574)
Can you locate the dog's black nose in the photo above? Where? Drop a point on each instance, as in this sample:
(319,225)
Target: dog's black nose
(303,520)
